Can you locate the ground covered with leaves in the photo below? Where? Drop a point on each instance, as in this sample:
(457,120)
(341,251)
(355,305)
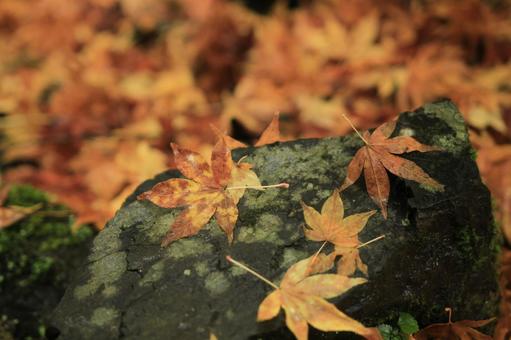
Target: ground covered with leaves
(92,92)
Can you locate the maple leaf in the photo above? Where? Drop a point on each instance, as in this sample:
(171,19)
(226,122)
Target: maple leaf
(302,296)
(378,154)
(331,226)
(462,330)
(12,214)
(270,135)
(210,190)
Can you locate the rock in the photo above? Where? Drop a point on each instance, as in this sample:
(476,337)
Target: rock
(439,251)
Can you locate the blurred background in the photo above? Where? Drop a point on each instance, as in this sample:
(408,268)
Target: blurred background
(93,91)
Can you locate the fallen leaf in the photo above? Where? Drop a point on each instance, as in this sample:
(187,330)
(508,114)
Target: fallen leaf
(231,142)
(378,154)
(302,296)
(331,226)
(12,214)
(494,162)
(271,134)
(209,190)
(462,330)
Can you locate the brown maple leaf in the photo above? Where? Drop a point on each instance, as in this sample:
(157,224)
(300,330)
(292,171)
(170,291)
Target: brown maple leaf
(462,330)
(210,190)
(331,226)
(378,154)
(302,295)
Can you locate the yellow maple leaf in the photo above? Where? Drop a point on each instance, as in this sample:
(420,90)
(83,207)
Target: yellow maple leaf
(302,296)
(331,226)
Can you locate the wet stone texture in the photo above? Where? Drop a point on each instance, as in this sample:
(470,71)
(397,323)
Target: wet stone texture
(440,247)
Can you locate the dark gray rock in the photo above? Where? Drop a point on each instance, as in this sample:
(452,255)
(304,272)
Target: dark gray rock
(440,249)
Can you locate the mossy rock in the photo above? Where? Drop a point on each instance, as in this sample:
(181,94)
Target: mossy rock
(440,247)
(37,255)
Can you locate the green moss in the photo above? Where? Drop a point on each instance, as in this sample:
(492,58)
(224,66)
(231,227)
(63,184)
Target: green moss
(266,230)
(103,273)
(154,274)
(38,251)
(216,283)
(448,112)
(291,256)
(157,230)
(109,291)
(103,316)
(30,249)
(237,271)
(449,143)
(25,195)
(188,247)
(202,268)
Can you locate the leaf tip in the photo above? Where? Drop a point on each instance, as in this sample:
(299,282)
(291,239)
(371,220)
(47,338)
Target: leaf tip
(169,238)
(175,148)
(144,195)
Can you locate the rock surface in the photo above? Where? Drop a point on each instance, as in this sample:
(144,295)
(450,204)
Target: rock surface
(440,247)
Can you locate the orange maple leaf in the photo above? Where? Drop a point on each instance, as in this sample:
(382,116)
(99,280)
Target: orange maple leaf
(331,226)
(12,214)
(270,135)
(462,330)
(378,154)
(302,296)
(210,190)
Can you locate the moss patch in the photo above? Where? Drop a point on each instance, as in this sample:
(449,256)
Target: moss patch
(266,229)
(216,283)
(103,316)
(37,255)
(104,272)
(188,247)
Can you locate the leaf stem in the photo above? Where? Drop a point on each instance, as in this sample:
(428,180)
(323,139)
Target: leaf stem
(280,185)
(449,311)
(355,129)
(251,271)
(314,257)
(371,241)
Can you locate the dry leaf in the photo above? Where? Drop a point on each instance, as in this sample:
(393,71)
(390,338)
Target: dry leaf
(331,226)
(302,295)
(462,330)
(12,214)
(378,154)
(271,134)
(209,190)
